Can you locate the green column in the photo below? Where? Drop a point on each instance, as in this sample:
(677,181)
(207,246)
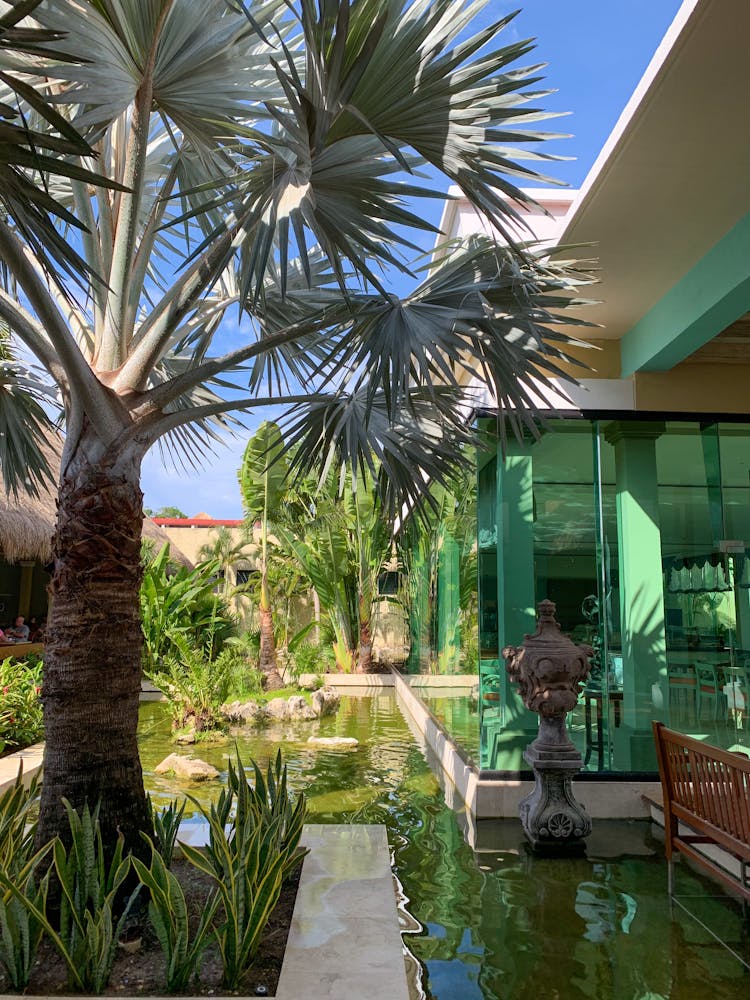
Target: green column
(641,591)
(419,587)
(448,606)
(516,598)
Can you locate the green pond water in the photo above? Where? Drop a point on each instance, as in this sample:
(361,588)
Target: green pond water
(497,923)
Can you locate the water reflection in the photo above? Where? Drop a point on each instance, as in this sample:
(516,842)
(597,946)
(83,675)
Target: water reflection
(499,924)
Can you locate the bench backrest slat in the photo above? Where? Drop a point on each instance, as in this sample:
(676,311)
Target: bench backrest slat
(706,784)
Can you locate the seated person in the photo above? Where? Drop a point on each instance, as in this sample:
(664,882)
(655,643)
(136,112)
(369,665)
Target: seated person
(36,629)
(19,631)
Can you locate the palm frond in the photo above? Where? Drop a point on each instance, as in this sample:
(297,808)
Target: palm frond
(26,428)
(402,454)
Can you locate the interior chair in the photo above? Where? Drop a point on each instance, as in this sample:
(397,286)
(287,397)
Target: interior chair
(707,690)
(682,693)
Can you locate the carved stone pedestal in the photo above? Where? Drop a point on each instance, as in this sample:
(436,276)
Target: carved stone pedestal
(552,819)
(549,669)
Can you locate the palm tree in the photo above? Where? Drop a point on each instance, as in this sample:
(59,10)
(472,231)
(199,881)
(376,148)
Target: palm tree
(262,156)
(263,477)
(340,544)
(225,551)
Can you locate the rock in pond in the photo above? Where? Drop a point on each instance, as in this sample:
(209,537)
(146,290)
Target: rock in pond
(243,712)
(185,739)
(298,708)
(325,702)
(334,742)
(277,708)
(187,767)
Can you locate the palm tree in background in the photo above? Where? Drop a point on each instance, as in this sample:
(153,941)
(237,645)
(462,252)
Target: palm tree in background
(261,158)
(226,551)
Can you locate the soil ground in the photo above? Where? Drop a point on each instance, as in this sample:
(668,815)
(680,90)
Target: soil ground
(141,971)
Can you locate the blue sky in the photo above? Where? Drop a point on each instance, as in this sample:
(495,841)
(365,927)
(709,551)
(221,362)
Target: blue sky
(596,51)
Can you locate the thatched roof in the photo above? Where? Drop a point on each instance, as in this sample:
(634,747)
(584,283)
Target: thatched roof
(27,522)
(160,538)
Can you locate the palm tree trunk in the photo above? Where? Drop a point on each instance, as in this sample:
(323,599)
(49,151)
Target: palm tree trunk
(267,664)
(92,660)
(364,654)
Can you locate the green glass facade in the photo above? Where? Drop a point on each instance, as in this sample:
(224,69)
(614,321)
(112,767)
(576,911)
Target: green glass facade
(639,530)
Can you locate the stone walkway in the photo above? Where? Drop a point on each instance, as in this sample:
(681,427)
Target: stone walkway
(344,942)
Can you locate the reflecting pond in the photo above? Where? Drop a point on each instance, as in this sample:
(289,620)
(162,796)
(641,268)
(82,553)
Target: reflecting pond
(496,923)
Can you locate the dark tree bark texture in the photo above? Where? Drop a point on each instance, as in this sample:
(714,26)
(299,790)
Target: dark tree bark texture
(364,655)
(92,659)
(267,661)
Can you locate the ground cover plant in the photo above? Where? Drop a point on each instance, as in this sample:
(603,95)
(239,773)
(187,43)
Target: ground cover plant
(21,721)
(256,167)
(206,914)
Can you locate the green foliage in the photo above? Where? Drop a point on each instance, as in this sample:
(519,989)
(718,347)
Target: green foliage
(167,911)
(309,658)
(239,660)
(251,861)
(339,547)
(452,523)
(181,602)
(89,884)
(166,824)
(263,474)
(17,827)
(21,722)
(194,685)
(170,512)
(23,898)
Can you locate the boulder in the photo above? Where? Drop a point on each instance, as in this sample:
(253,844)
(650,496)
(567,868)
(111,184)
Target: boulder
(185,739)
(309,682)
(325,702)
(187,767)
(243,712)
(298,708)
(277,708)
(334,742)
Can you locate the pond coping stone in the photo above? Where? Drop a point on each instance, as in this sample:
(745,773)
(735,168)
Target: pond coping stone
(344,941)
(31,758)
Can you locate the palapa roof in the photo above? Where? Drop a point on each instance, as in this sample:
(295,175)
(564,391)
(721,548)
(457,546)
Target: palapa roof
(28,522)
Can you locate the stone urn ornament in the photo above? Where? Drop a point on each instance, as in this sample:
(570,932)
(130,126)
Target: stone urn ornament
(549,670)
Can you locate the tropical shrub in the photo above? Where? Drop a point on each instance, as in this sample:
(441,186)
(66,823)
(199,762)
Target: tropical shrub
(87,930)
(166,826)
(17,827)
(194,685)
(20,928)
(20,708)
(182,602)
(168,913)
(310,658)
(239,659)
(254,834)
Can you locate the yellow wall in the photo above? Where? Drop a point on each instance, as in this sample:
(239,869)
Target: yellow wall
(695,388)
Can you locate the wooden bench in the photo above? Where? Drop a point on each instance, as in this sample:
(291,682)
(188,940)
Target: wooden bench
(707,790)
